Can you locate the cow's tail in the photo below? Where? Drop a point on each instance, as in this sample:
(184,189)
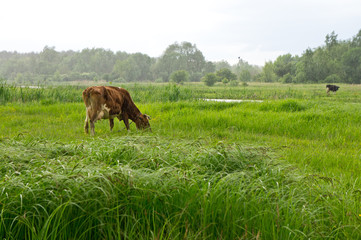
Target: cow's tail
(86,96)
(88,93)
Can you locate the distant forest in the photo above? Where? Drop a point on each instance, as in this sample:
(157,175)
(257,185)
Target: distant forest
(335,61)
(100,64)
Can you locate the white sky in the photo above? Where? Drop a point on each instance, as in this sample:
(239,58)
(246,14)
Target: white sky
(255,30)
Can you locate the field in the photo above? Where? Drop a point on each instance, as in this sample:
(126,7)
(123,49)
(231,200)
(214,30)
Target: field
(284,168)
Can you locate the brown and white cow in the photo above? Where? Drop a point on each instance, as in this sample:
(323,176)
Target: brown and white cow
(103,102)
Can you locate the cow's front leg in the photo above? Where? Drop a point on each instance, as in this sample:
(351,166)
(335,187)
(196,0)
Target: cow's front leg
(111,124)
(92,128)
(126,120)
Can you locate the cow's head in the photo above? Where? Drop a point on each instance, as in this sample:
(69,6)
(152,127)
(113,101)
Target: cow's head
(143,121)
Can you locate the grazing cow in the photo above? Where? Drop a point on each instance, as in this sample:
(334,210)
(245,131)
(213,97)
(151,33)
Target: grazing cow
(104,102)
(332,88)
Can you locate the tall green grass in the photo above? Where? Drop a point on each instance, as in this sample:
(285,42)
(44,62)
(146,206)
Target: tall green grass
(149,93)
(153,188)
(43,94)
(47,95)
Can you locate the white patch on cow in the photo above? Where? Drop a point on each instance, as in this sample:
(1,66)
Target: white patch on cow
(104,113)
(104,107)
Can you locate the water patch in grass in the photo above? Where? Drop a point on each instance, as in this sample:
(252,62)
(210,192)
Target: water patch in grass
(232,100)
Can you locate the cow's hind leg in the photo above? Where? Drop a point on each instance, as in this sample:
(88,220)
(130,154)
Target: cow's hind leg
(86,124)
(93,118)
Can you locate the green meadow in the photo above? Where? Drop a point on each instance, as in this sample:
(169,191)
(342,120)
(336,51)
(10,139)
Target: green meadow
(284,167)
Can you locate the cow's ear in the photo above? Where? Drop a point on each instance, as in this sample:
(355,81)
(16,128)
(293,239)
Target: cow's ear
(147,116)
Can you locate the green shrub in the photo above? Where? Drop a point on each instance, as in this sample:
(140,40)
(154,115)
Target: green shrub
(334,78)
(179,76)
(210,79)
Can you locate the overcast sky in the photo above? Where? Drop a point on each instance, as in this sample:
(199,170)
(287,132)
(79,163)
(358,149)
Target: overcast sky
(255,30)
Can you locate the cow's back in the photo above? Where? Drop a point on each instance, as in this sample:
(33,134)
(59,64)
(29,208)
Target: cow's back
(101,97)
(129,104)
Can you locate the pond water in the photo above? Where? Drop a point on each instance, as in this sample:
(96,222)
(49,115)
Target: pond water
(232,100)
(33,87)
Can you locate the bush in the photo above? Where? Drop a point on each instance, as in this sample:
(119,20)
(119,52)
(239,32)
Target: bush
(245,76)
(287,78)
(225,73)
(179,76)
(334,78)
(225,81)
(209,79)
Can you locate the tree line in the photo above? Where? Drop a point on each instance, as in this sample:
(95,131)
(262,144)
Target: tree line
(180,61)
(335,61)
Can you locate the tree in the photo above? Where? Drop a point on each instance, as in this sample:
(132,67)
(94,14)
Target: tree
(331,40)
(127,70)
(209,67)
(356,40)
(184,56)
(143,64)
(227,74)
(210,79)
(283,65)
(352,65)
(135,67)
(287,78)
(48,61)
(242,65)
(222,64)
(179,76)
(101,60)
(268,74)
(245,76)
(306,68)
